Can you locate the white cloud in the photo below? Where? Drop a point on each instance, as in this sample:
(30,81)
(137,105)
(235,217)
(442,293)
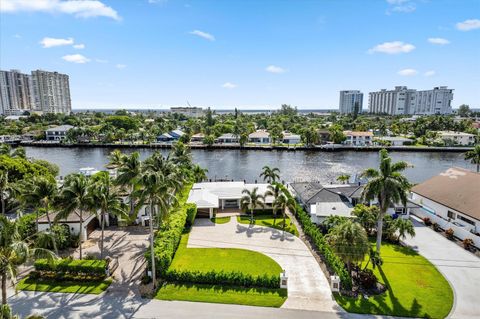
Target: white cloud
(55,42)
(101,61)
(275,69)
(121,66)
(204,35)
(79,46)
(77,8)
(76,58)
(439,41)
(429,73)
(394,47)
(468,25)
(397,1)
(408,72)
(229,85)
(401,6)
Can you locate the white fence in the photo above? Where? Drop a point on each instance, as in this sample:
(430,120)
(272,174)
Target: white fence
(459,232)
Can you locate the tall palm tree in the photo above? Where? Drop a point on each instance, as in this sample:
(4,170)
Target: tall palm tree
(129,173)
(350,242)
(275,191)
(283,203)
(181,154)
(105,199)
(5,189)
(386,185)
(42,192)
(474,156)
(115,159)
(75,199)
(270,174)
(199,173)
(251,200)
(14,252)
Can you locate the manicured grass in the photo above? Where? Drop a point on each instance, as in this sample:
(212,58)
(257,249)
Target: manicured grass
(268,221)
(225,295)
(80,287)
(415,287)
(226,259)
(220,220)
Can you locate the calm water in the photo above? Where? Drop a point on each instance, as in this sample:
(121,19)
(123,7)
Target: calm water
(241,164)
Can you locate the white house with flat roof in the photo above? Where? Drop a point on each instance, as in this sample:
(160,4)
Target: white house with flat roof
(358,138)
(213,196)
(459,138)
(290,138)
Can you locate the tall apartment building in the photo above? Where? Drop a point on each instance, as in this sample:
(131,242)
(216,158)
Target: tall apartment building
(402,100)
(48,92)
(349,100)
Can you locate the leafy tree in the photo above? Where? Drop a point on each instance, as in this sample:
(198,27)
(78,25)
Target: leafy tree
(366,216)
(122,122)
(251,200)
(309,136)
(386,185)
(53,169)
(463,110)
(209,140)
(209,121)
(474,156)
(343,178)
(332,221)
(336,134)
(271,175)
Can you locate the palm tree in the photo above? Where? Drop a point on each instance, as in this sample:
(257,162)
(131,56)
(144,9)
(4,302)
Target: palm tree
(41,192)
(270,174)
(14,252)
(366,216)
(105,199)
(199,173)
(129,173)
(275,191)
(5,188)
(404,227)
(474,156)
(343,178)
(350,242)
(386,185)
(115,159)
(283,203)
(75,199)
(251,200)
(181,154)
(5,149)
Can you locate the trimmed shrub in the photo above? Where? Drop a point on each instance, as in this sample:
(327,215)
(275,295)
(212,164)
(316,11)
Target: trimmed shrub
(191,214)
(449,233)
(311,230)
(224,278)
(427,221)
(467,243)
(62,268)
(27,225)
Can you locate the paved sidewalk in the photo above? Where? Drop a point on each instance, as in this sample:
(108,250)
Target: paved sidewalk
(308,289)
(460,268)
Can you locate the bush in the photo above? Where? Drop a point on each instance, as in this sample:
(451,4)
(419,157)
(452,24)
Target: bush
(367,279)
(331,259)
(427,221)
(63,268)
(436,227)
(191,214)
(467,243)
(224,278)
(449,233)
(27,226)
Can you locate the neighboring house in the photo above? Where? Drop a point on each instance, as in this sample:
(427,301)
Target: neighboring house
(227,138)
(199,137)
(289,138)
(259,137)
(90,222)
(452,196)
(323,136)
(170,136)
(396,140)
(458,138)
(358,138)
(210,197)
(58,133)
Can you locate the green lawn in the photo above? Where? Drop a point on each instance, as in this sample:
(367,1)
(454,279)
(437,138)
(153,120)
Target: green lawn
(220,220)
(268,221)
(415,287)
(226,259)
(80,287)
(227,295)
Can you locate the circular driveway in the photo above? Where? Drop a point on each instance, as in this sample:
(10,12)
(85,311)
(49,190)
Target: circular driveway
(308,289)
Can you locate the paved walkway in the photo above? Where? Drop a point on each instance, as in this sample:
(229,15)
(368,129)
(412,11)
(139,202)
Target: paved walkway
(308,289)
(460,268)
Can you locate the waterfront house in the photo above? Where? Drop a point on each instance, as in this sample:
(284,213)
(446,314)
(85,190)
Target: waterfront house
(396,140)
(290,138)
(72,222)
(227,138)
(58,133)
(214,197)
(358,138)
(259,137)
(170,136)
(199,137)
(323,136)
(457,138)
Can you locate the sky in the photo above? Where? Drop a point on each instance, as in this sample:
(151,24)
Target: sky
(243,53)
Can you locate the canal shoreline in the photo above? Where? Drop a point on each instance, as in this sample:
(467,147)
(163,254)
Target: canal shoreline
(322,148)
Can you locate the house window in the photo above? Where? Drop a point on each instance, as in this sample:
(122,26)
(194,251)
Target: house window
(400,211)
(469,221)
(451,215)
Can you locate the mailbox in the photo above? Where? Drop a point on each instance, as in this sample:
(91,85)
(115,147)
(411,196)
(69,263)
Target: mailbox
(335,283)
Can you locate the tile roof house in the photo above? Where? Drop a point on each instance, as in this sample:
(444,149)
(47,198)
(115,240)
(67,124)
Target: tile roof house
(259,137)
(358,138)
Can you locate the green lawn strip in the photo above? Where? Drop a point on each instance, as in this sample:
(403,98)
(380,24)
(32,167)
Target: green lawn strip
(80,287)
(220,220)
(415,287)
(226,295)
(226,259)
(268,221)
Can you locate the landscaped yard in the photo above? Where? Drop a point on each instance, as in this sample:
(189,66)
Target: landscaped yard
(268,221)
(226,259)
(220,220)
(80,287)
(415,287)
(228,295)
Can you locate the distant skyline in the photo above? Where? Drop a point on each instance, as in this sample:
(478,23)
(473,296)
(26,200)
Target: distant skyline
(247,54)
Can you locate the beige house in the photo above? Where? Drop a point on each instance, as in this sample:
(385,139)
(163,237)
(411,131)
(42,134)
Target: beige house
(358,138)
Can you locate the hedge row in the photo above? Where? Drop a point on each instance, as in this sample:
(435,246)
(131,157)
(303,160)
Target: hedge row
(72,267)
(223,278)
(331,259)
(168,236)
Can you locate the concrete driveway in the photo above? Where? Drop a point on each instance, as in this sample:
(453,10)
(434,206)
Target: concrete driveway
(308,289)
(460,268)
(127,245)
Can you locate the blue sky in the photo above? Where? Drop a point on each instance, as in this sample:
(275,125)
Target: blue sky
(249,53)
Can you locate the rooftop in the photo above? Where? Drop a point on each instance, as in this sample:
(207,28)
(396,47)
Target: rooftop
(61,128)
(353,133)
